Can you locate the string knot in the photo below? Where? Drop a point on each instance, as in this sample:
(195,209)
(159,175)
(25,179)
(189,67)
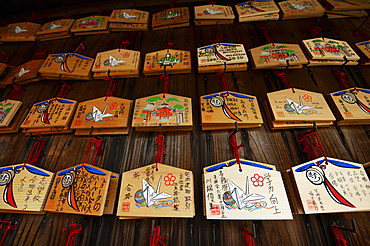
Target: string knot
(166,80)
(160,149)
(248,238)
(155,238)
(75,229)
(36,149)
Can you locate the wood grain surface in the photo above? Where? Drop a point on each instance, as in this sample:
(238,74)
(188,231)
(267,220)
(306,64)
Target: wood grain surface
(196,149)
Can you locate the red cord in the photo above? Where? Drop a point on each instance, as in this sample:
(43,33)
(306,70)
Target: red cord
(166,81)
(160,150)
(338,236)
(155,237)
(342,79)
(93,148)
(223,81)
(76,229)
(234,145)
(64,90)
(284,78)
(36,149)
(248,239)
(112,89)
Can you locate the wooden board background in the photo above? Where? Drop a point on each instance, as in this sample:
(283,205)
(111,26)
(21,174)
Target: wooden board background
(195,149)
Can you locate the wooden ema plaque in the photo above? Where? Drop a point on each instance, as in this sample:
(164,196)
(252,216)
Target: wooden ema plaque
(81,189)
(8,109)
(170,112)
(19,32)
(351,105)
(221,54)
(281,125)
(55,30)
(24,188)
(229,68)
(256,193)
(275,56)
(68,65)
(91,25)
(346,5)
(257,10)
(330,63)
(345,13)
(145,192)
(117,61)
(364,48)
(15,123)
(171,18)
(169,60)
(213,15)
(55,112)
(300,105)
(104,112)
(129,20)
(334,186)
(296,9)
(129,16)
(221,111)
(329,49)
(25,73)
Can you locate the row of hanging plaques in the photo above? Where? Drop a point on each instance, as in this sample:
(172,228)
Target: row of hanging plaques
(212,14)
(124,63)
(285,109)
(324,185)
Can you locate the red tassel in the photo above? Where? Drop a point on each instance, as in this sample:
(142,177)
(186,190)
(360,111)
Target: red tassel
(155,237)
(342,79)
(76,229)
(217,39)
(80,48)
(316,32)
(64,90)
(170,44)
(284,78)
(160,150)
(265,33)
(234,145)
(39,55)
(8,227)
(313,148)
(223,80)
(16,93)
(35,152)
(166,80)
(112,89)
(94,148)
(4,57)
(124,45)
(338,236)
(248,239)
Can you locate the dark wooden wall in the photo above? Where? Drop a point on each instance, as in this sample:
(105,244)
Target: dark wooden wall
(196,149)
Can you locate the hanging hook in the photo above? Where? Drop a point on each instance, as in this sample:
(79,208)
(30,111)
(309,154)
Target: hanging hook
(287,65)
(341,66)
(363,23)
(160,128)
(91,131)
(224,67)
(353,229)
(236,128)
(108,74)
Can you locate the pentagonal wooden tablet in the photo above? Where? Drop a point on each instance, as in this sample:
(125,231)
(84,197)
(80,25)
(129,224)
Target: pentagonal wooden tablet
(364,47)
(67,64)
(295,9)
(117,60)
(253,8)
(22,31)
(17,120)
(57,26)
(25,73)
(171,110)
(255,193)
(169,60)
(275,55)
(103,112)
(330,49)
(129,16)
(209,12)
(221,53)
(352,104)
(120,26)
(171,17)
(55,112)
(90,24)
(332,186)
(299,105)
(145,192)
(24,187)
(80,189)
(8,109)
(347,5)
(230,107)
